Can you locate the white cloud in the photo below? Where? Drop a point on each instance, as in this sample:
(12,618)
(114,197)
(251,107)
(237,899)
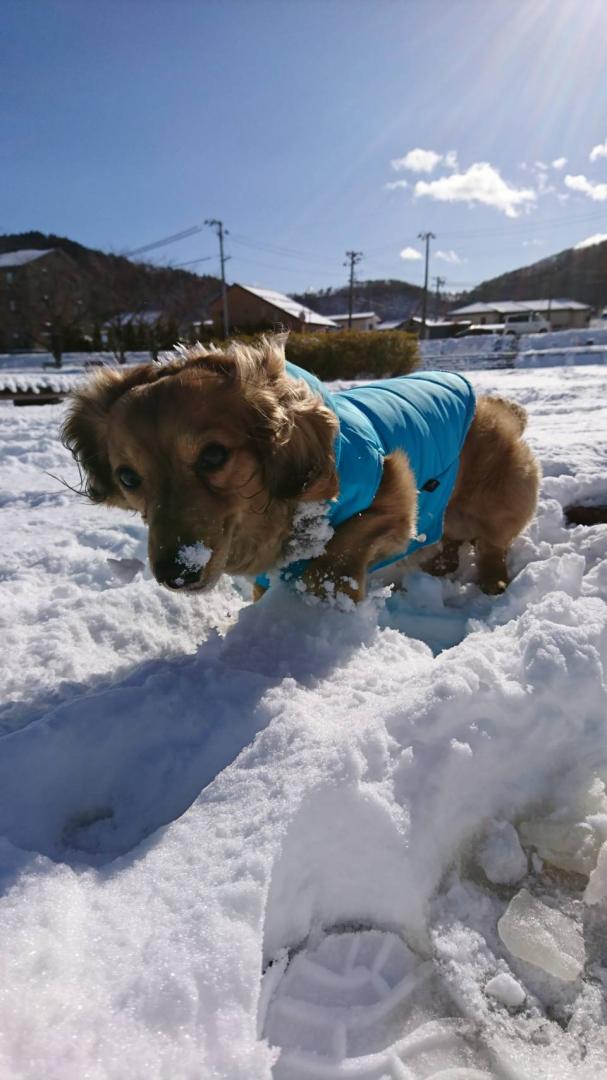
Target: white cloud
(418,161)
(410,253)
(597,192)
(598,151)
(451,159)
(542,183)
(590,241)
(481,183)
(392,185)
(559,163)
(449,257)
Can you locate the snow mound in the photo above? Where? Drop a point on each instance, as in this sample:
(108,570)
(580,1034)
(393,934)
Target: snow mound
(227,828)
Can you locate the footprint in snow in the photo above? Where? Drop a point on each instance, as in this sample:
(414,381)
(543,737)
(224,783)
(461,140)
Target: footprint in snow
(361,1004)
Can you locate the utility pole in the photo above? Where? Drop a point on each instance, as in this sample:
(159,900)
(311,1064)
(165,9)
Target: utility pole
(439,282)
(427,237)
(221,232)
(353,257)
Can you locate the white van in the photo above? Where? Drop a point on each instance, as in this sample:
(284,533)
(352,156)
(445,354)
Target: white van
(525,322)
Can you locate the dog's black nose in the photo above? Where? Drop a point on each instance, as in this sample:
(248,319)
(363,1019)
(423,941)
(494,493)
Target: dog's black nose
(173,574)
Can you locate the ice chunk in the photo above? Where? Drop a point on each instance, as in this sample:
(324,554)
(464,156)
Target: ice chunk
(501,855)
(534,932)
(596,889)
(506,989)
(571,840)
(568,845)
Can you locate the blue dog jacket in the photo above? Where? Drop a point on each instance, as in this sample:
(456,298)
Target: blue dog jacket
(427,415)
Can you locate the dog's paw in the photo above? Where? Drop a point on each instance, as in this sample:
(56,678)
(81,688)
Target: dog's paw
(324,582)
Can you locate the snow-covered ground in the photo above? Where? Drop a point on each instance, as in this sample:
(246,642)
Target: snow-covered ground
(241,838)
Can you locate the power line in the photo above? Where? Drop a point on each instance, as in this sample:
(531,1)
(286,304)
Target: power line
(190,262)
(166,240)
(548,223)
(275,249)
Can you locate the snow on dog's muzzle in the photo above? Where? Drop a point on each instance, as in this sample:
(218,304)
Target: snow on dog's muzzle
(184,569)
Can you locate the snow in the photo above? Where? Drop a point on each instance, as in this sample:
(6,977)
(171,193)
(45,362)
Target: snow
(501,855)
(504,988)
(559,348)
(194,556)
(311,532)
(10,259)
(199,796)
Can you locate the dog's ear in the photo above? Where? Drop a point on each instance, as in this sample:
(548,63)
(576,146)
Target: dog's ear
(84,431)
(300,459)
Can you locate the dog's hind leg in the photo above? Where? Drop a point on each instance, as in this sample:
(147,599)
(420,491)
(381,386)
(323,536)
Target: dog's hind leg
(491,562)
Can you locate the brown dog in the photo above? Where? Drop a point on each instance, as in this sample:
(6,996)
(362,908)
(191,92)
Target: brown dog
(216,451)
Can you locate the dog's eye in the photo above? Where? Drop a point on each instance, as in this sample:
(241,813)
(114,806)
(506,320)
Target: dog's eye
(128,478)
(212,457)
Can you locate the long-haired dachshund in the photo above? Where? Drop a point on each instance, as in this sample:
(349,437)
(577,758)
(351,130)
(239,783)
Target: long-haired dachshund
(218,450)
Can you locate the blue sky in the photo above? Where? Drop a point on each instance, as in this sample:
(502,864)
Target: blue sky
(298,121)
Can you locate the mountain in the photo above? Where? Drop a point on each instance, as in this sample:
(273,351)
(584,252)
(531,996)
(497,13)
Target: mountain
(109,285)
(390,299)
(576,273)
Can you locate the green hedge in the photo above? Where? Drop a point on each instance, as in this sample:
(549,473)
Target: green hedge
(352,354)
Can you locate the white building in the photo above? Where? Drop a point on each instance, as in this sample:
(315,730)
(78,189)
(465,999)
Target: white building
(561,314)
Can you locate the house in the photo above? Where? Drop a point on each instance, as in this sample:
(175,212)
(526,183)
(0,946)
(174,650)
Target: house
(251,308)
(435,330)
(392,324)
(561,314)
(361,320)
(38,290)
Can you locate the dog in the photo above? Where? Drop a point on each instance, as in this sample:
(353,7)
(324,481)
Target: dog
(218,449)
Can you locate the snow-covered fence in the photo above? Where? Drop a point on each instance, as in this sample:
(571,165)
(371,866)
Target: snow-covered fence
(530,350)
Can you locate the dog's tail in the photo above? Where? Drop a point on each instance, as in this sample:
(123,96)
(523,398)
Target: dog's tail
(515,413)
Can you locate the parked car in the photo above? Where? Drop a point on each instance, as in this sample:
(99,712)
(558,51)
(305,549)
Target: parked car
(530,322)
(481,330)
(525,322)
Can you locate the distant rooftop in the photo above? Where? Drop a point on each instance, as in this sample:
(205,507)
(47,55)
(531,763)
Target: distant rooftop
(289,306)
(12,259)
(344,316)
(147,318)
(511,307)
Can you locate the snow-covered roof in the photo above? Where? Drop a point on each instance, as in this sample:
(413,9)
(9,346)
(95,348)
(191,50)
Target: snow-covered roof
(510,307)
(289,306)
(12,259)
(148,318)
(344,317)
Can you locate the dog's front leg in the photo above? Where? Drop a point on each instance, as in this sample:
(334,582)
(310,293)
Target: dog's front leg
(384,529)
